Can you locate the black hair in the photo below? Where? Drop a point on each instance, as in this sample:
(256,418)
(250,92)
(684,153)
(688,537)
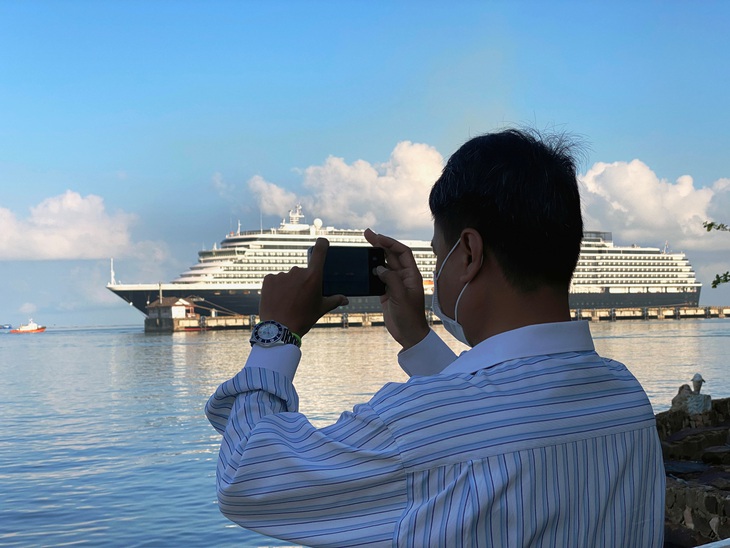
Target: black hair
(520,191)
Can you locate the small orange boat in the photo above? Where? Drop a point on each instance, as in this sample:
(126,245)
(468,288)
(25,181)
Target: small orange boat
(30,327)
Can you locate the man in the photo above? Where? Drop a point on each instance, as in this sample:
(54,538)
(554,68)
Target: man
(528,439)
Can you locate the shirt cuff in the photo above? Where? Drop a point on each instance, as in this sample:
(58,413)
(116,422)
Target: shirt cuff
(283,359)
(428,357)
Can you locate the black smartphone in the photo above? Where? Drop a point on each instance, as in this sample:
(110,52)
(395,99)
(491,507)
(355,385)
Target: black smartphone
(350,271)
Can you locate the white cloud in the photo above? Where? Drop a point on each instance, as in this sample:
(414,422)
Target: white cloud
(222,187)
(272,199)
(70,226)
(720,207)
(629,199)
(626,198)
(390,196)
(86,283)
(28,308)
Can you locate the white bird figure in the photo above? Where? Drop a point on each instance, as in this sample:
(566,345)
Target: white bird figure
(697,382)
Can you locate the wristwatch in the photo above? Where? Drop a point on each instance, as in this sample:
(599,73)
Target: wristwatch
(271,333)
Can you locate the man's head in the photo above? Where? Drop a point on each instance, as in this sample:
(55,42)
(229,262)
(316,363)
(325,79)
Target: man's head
(520,192)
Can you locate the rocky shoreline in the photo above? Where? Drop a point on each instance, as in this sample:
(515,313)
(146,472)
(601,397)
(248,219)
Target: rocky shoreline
(696,448)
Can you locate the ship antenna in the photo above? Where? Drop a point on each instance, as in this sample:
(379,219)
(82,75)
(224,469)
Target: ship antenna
(295,215)
(112,281)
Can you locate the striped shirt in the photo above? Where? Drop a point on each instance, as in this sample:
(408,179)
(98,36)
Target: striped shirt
(528,439)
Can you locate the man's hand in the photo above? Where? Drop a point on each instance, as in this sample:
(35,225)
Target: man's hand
(403,303)
(294,298)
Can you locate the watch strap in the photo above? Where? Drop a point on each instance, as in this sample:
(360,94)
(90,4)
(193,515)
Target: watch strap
(288,337)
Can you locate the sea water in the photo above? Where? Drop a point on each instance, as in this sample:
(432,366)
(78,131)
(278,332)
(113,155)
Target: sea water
(103,440)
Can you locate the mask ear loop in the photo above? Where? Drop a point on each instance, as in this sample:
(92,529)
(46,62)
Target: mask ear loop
(456,306)
(438,274)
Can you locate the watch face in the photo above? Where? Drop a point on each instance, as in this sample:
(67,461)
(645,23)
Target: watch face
(268,331)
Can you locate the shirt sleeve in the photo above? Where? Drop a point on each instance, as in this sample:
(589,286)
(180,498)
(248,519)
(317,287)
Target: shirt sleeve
(277,474)
(428,357)
(283,359)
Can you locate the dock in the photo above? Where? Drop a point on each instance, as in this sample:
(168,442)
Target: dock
(165,320)
(204,323)
(651,313)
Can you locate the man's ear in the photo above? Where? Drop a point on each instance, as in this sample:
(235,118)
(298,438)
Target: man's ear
(474,247)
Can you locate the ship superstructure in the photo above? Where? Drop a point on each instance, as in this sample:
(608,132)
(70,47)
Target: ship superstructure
(228,278)
(244,258)
(633,276)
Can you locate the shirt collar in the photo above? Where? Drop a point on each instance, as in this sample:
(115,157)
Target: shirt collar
(531,340)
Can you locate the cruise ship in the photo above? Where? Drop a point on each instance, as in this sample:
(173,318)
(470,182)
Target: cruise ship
(610,276)
(227,279)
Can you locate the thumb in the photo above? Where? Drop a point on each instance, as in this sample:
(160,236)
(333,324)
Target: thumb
(332,302)
(389,277)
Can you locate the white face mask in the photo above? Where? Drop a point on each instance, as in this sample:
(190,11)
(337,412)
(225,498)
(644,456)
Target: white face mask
(452,326)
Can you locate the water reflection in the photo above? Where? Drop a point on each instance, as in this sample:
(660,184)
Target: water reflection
(343,367)
(339,367)
(664,354)
(103,439)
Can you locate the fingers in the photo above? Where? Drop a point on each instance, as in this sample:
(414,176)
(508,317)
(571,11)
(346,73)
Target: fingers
(386,242)
(402,272)
(403,304)
(372,237)
(398,255)
(384,274)
(332,302)
(319,254)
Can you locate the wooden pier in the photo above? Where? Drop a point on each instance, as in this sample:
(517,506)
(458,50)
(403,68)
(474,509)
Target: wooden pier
(164,323)
(651,313)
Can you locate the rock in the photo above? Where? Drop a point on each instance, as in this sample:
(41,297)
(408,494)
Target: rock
(715,525)
(690,444)
(717,455)
(723,484)
(678,401)
(695,436)
(677,467)
(687,514)
(702,525)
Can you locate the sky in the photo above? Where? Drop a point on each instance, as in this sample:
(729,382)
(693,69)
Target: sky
(144,131)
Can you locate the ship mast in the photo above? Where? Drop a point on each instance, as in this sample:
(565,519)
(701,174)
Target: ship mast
(295,215)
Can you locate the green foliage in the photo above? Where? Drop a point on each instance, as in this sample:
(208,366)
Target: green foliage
(719,278)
